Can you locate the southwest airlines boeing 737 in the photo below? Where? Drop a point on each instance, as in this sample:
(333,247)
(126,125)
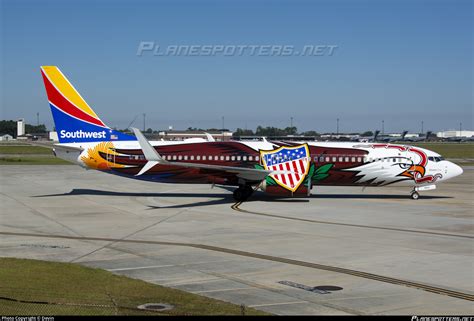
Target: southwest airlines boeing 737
(276,167)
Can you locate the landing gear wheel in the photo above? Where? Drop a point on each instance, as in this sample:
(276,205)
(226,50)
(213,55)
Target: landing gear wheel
(415,195)
(248,191)
(239,194)
(243,193)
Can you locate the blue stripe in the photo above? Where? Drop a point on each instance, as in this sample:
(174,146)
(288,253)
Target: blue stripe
(73,130)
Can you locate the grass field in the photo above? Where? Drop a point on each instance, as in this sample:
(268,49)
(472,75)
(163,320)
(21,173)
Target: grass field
(32,160)
(450,150)
(65,288)
(25,150)
(28,155)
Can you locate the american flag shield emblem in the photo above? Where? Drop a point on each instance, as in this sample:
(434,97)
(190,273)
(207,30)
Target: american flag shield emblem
(294,160)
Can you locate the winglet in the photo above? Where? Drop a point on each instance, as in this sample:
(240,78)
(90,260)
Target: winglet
(151,155)
(209,137)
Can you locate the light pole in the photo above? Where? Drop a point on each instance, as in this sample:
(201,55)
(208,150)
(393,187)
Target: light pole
(422,127)
(144,116)
(383,127)
(337,126)
(223,128)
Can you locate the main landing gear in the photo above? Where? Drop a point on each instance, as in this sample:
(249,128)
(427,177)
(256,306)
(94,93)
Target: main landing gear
(243,192)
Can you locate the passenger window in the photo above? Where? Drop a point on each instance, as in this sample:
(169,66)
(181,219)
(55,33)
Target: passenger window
(341,159)
(250,158)
(244,158)
(232,158)
(334,159)
(198,157)
(191,157)
(227,158)
(180,157)
(257,158)
(222,158)
(174,157)
(185,157)
(353,159)
(359,159)
(204,157)
(328,159)
(238,158)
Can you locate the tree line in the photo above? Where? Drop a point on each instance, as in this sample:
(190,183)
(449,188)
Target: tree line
(10,127)
(275,132)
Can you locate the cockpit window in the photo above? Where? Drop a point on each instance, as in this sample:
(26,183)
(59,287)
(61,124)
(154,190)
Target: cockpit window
(436,159)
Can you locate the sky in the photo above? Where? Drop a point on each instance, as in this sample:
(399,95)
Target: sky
(402,62)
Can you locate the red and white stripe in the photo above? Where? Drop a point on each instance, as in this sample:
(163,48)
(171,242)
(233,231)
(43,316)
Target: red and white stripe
(297,167)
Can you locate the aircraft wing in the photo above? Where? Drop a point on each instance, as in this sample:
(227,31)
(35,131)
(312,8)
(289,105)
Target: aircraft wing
(153,158)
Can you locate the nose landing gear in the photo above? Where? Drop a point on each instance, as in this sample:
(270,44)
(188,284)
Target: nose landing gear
(415,195)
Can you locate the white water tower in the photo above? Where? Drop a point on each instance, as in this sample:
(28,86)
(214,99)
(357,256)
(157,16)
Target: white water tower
(20,130)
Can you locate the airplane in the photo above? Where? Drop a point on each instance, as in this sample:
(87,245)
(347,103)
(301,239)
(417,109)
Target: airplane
(421,138)
(390,139)
(370,140)
(281,168)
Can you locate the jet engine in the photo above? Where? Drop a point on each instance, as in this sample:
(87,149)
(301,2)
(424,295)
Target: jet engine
(278,190)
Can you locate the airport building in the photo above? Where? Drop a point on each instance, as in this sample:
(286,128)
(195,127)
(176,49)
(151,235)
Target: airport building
(6,137)
(53,135)
(455,133)
(184,134)
(20,130)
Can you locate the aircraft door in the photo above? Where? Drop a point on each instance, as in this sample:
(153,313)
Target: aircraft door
(110,158)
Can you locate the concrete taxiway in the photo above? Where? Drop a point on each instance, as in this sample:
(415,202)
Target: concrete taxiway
(381,251)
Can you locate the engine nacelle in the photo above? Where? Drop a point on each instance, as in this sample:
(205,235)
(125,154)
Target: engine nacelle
(278,190)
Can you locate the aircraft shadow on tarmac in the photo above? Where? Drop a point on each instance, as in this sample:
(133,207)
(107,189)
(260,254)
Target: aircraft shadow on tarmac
(220,198)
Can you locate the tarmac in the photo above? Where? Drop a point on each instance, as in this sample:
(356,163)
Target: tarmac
(344,250)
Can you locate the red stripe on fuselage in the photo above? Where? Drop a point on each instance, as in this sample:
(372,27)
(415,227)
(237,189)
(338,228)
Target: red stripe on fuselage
(283,179)
(292,184)
(297,175)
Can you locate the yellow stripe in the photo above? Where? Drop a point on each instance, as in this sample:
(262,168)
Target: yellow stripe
(66,89)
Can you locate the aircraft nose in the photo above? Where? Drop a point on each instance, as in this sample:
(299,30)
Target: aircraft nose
(454,170)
